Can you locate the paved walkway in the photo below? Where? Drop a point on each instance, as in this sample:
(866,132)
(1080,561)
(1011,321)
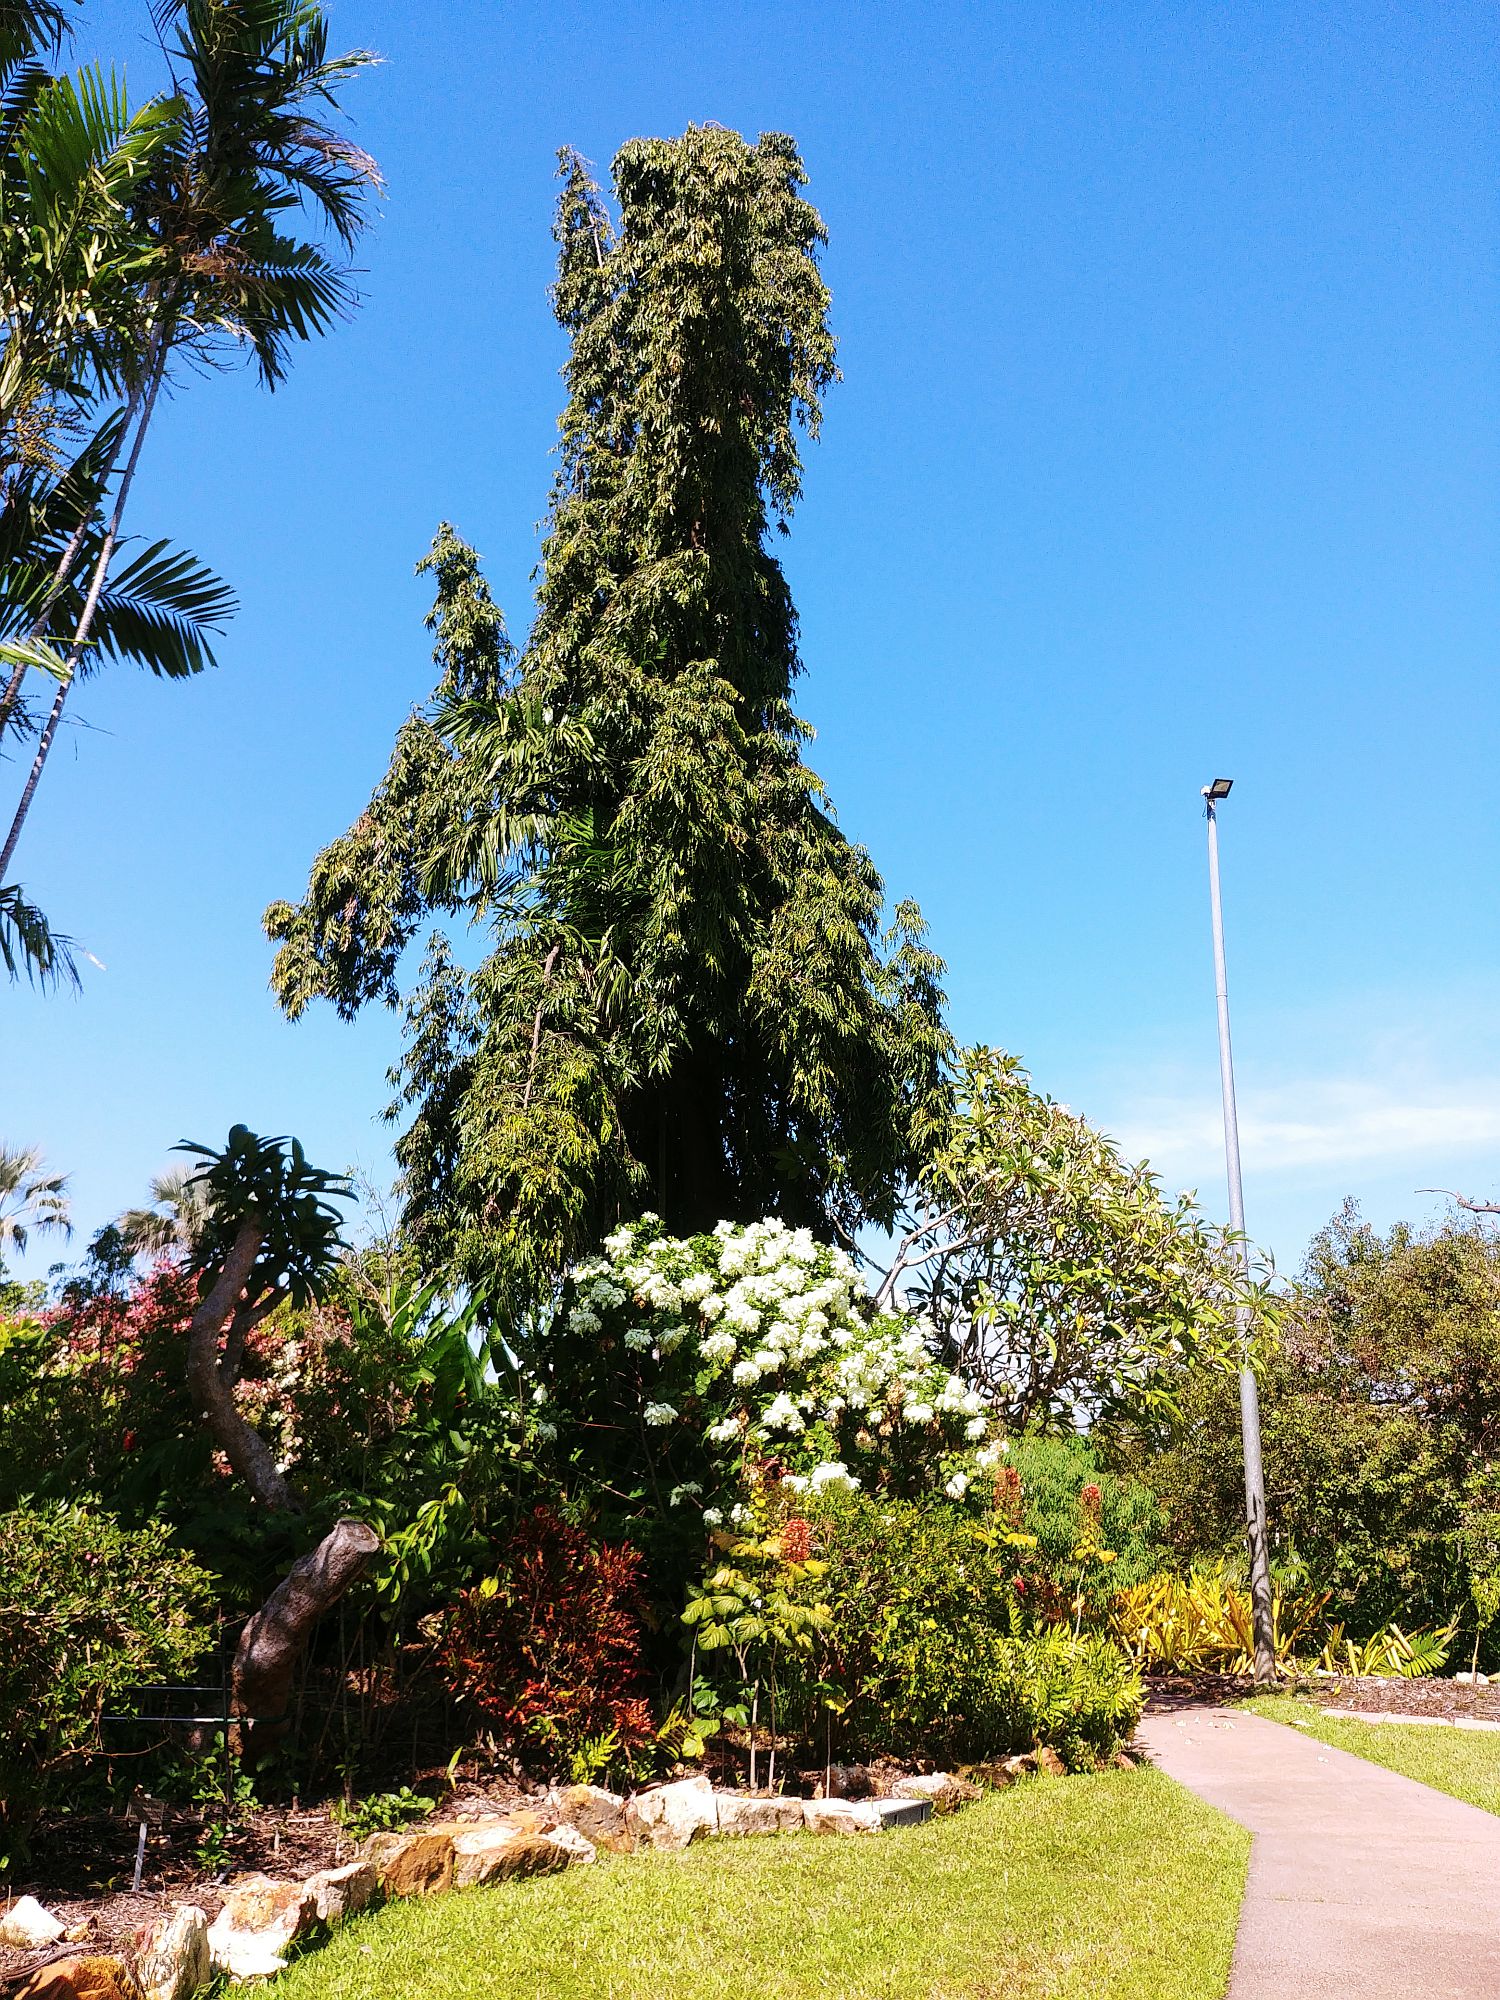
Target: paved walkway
(1363,1885)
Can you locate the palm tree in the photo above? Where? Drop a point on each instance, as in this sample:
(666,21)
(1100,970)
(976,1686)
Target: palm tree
(30,1199)
(244,146)
(74,260)
(175,1220)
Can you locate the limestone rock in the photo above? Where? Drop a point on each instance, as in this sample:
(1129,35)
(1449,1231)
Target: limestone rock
(26,1926)
(174,1962)
(1024,1766)
(335,1893)
(497,1850)
(840,1816)
(244,1955)
(672,1815)
(598,1815)
(411,1864)
(578,1848)
(102,1977)
(945,1792)
(259,1919)
(262,1903)
(1049,1764)
(739,1813)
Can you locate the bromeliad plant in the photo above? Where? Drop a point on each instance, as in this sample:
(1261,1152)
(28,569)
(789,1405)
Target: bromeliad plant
(1389,1654)
(1203,1622)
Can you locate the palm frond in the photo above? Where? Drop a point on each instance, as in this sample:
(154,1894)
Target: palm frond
(177,581)
(157,611)
(29,944)
(30,28)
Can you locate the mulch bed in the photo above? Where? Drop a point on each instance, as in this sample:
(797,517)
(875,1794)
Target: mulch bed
(1167,1693)
(1421,1697)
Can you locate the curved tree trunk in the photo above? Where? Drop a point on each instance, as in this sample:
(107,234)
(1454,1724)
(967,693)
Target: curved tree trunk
(276,1637)
(86,616)
(225,1305)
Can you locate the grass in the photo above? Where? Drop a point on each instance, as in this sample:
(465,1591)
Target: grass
(1116,1887)
(1464,1762)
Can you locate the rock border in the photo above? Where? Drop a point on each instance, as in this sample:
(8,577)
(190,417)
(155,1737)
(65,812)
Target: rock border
(263,1917)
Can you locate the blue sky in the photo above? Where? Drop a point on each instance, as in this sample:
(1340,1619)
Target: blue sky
(1167,446)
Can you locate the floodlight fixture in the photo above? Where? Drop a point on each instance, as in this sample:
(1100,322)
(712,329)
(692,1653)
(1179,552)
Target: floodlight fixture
(1219,789)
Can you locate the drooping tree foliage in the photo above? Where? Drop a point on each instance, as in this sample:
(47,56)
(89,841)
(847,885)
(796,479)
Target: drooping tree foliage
(687,1002)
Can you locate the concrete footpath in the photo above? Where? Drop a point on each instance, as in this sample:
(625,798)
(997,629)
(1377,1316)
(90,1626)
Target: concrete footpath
(1363,1885)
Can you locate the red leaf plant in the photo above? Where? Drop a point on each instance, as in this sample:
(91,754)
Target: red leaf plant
(549,1647)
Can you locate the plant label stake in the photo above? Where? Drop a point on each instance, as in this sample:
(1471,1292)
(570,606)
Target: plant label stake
(146,1810)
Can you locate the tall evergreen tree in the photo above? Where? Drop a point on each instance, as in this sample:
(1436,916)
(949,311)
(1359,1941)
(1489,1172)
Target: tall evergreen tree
(688,1003)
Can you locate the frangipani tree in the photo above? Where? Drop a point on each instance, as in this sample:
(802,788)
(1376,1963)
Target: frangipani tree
(269,1234)
(1056,1275)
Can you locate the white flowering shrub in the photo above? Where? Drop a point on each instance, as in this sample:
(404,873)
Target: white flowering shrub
(683,1371)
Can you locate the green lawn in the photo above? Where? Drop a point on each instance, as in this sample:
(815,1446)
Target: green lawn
(1465,1762)
(1117,1887)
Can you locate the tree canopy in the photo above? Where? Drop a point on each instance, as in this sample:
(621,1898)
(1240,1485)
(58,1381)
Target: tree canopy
(688,1000)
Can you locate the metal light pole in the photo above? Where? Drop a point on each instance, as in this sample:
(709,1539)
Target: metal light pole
(1255,1485)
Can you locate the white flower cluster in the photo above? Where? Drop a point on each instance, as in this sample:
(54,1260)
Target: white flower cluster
(770,1338)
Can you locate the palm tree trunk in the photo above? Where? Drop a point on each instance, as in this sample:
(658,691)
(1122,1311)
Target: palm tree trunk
(90,605)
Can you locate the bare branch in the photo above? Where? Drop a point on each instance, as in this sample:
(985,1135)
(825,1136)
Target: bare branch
(1474,1207)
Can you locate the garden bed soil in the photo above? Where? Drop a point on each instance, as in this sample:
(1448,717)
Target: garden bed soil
(1166,1693)
(81,1865)
(1448,1699)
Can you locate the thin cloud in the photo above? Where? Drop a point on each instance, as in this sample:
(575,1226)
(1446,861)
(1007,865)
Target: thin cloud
(1318,1123)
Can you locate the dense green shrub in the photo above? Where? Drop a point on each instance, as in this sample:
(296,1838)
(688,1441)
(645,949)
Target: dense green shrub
(1080,1694)
(87,1608)
(1095,1533)
(929,1648)
(1364,1501)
